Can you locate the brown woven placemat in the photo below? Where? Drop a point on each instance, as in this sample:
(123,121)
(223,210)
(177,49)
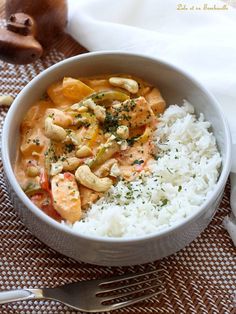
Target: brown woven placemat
(199,279)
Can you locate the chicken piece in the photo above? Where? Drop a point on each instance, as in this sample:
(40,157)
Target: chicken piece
(66,196)
(133,112)
(156,101)
(135,159)
(35,113)
(33,140)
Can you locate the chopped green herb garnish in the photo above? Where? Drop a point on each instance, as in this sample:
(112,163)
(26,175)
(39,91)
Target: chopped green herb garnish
(69,147)
(137,162)
(36,141)
(164,202)
(51,115)
(156,157)
(111,123)
(132,140)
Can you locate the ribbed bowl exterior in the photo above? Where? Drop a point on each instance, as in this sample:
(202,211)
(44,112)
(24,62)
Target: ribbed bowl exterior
(175,86)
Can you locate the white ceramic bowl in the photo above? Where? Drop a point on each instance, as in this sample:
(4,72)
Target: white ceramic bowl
(175,86)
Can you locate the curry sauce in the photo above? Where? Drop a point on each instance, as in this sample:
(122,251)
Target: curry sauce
(84,136)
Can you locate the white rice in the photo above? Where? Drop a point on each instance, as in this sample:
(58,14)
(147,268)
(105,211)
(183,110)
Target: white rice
(182,178)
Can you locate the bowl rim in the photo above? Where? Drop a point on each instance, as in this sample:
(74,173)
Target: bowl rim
(63,228)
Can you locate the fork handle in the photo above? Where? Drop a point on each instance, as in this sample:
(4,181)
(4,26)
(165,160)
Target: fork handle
(20,295)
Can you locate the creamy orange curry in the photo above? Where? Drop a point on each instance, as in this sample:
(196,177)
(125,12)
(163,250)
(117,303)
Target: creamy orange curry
(83,137)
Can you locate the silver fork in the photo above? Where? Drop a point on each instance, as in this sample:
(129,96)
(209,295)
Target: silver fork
(96,295)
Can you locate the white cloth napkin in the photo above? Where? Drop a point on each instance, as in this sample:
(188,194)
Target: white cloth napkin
(202,42)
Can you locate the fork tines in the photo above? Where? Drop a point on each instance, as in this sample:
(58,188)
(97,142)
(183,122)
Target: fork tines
(128,289)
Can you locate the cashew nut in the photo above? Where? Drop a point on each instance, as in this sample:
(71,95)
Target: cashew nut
(53,131)
(128,84)
(59,117)
(32,171)
(116,104)
(87,103)
(85,177)
(56,168)
(104,169)
(36,154)
(123,132)
(73,138)
(84,151)
(115,170)
(80,120)
(100,113)
(71,163)
(6,100)
(107,135)
(82,109)
(123,145)
(110,139)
